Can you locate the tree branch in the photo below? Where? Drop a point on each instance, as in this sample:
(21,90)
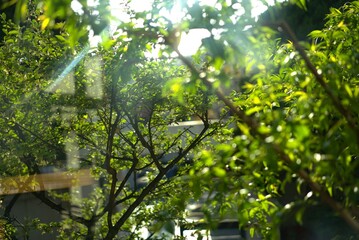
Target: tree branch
(152,185)
(319,78)
(253,125)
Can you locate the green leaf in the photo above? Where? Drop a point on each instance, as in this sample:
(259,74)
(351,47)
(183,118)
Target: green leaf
(20,10)
(348,90)
(301,132)
(316,34)
(60,37)
(251,231)
(299,215)
(219,172)
(300,3)
(13,32)
(253,110)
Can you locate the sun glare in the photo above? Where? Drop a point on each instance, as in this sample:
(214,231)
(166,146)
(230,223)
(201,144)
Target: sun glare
(190,42)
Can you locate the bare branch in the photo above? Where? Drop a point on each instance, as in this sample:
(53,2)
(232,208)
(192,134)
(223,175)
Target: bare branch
(152,185)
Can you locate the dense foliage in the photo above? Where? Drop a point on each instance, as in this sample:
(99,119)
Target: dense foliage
(281,157)
(111,107)
(302,22)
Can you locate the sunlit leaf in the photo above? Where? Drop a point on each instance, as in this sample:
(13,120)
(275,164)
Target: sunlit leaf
(219,172)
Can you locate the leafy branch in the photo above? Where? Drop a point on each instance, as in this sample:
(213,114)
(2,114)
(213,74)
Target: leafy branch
(320,79)
(253,125)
